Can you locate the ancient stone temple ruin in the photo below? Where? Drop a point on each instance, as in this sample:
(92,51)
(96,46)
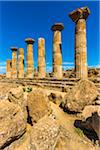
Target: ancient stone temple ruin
(16,69)
(59,110)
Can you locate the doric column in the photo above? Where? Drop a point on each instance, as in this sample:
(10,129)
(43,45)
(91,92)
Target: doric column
(79,16)
(8,68)
(57,50)
(14,62)
(20,63)
(41,58)
(29,59)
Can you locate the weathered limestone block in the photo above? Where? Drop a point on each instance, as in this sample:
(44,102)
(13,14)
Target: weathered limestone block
(57,50)
(4,90)
(45,133)
(30,60)
(38,105)
(14,62)
(17,96)
(23,143)
(12,123)
(79,16)
(41,58)
(20,63)
(8,68)
(82,94)
(55,98)
(64,140)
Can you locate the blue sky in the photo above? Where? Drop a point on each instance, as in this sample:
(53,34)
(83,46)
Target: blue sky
(23,19)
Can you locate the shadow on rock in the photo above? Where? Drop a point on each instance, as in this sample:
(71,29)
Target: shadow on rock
(87,129)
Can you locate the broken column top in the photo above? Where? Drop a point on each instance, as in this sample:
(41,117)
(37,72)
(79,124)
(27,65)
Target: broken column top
(9,60)
(29,40)
(21,51)
(14,48)
(41,38)
(80,13)
(57,26)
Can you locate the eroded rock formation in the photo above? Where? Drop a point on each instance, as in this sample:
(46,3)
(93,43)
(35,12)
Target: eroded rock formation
(38,105)
(12,123)
(82,94)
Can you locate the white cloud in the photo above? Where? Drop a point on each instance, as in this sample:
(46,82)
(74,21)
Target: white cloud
(67,63)
(49,68)
(2,63)
(63,63)
(67,67)
(94,66)
(98,66)
(2,69)
(47,63)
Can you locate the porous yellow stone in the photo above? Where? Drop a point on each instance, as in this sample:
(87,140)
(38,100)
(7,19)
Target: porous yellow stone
(8,68)
(20,63)
(14,62)
(29,59)
(41,58)
(79,16)
(57,50)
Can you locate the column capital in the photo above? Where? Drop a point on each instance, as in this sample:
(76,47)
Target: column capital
(57,26)
(29,40)
(80,13)
(14,48)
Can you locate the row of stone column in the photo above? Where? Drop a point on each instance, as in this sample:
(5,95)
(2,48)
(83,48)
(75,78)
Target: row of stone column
(11,70)
(15,70)
(15,67)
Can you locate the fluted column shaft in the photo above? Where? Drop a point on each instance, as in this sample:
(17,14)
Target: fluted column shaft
(20,63)
(30,62)
(79,16)
(57,55)
(41,58)
(29,59)
(8,68)
(81,49)
(14,62)
(57,51)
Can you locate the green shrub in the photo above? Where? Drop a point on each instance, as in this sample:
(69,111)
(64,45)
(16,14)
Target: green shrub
(79,132)
(29,89)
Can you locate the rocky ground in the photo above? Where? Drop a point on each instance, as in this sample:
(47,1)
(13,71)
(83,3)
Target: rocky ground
(33,118)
